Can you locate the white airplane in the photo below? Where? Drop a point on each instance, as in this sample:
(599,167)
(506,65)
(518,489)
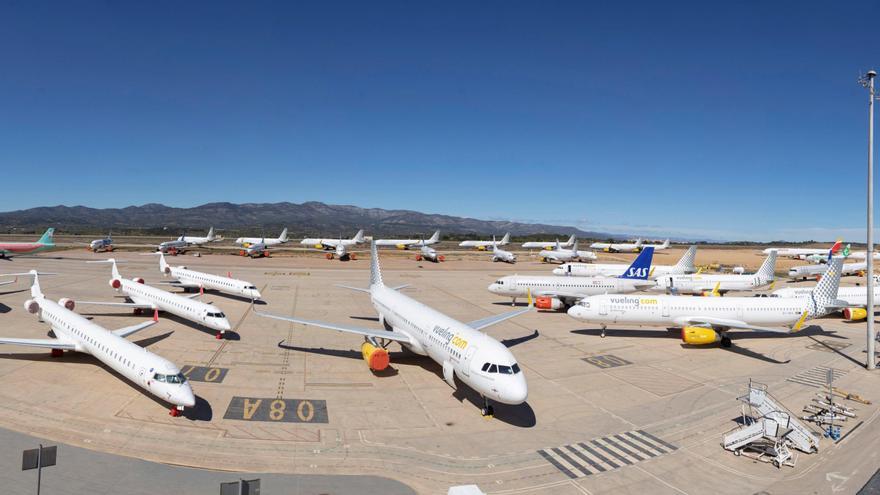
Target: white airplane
(565,255)
(801,253)
(143,297)
(548,245)
(155,374)
(105,244)
(485,245)
(408,243)
(856,298)
(341,251)
(428,253)
(618,247)
(197,241)
(685,265)
(191,279)
(861,255)
(718,284)
(810,271)
(462,349)
(502,255)
(331,244)
(658,247)
(247,241)
(175,247)
(562,292)
(257,249)
(705,320)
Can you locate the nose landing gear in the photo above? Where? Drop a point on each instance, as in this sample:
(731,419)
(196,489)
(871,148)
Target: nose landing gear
(176,411)
(487,411)
(603,331)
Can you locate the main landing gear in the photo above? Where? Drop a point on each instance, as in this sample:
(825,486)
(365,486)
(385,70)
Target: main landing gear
(176,411)
(603,331)
(487,411)
(725,342)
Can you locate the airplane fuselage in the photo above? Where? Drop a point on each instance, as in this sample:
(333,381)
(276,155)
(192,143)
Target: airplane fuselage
(188,309)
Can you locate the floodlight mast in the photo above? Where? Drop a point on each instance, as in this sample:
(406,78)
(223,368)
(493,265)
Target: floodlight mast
(867,81)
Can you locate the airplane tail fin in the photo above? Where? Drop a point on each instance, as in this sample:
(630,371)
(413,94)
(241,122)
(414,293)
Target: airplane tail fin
(359,237)
(824,294)
(767,271)
(571,240)
(211,234)
(639,242)
(36,292)
(48,238)
(283,236)
(163,265)
(686,263)
(665,244)
(835,249)
(375,271)
(506,239)
(112,261)
(574,247)
(435,237)
(641,266)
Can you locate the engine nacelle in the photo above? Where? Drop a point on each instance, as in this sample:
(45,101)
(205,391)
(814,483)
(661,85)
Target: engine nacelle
(319,246)
(855,314)
(31,306)
(376,357)
(699,335)
(544,302)
(441,258)
(482,248)
(116,283)
(67,303)
(401,246)
(168,270)
(137,280)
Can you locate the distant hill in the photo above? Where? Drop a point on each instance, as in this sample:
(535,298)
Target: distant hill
(309,218)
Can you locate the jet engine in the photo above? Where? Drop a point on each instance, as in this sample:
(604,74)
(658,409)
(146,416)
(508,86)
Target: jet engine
(319,246)
(31,306)
(137,279)
(67,303)
(855,314)
(116,283)
(168,270)
(544,302)
(699,335)
(401,246)
(376,357)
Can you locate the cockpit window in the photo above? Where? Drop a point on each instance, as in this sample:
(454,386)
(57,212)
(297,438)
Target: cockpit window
(499,282)
(178,378)
(486,367)
(216,315)
(251,287)
(493,369)
(504,370)
(515,368)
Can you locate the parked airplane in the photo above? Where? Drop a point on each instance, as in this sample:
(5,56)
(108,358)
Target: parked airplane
(408,243)
(705,320)
(658,247)
(428,253)
(502,255)
(548,245)
(341,251)
(685,265)
(800,253)
(197,241)
(485,245)
(562,292)
(618,247)
(175,247)
(720,284)
(856,298)
(462,349)
(105,244)
(861,255)
(330,244)
(247,241)
(143,296)
(45,243)
(810,271)
(72,332)
(191,279)
(565,255)
(257,249)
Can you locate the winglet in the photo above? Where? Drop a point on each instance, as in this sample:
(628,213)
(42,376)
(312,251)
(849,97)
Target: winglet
(715,292)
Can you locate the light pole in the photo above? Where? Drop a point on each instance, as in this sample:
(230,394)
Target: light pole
(868,82)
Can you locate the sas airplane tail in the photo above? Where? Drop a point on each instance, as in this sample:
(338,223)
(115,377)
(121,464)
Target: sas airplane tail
(686,263)
(48,237)
(641,266)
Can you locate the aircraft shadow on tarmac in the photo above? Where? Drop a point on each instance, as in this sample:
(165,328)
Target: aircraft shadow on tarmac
(4,308)
(234,297)
(229,335)
(521,415)
(17,291)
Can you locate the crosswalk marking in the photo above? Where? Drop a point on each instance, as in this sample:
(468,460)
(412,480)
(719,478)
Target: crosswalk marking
(605,454)
(816,377)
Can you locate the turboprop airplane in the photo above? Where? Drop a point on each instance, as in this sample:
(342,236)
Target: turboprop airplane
(247,241)
(684,266)
(856,298)
(502,255)
(618,247)
(105,244)
(45,243)
(408,243)
(197,241)
(485,245)
(562,292)
(143,296)
(548,245)
(565,255)
(705,320)
(191,279)
(712,284)
(331,244)
(428,253)
(72,332)
(462,349)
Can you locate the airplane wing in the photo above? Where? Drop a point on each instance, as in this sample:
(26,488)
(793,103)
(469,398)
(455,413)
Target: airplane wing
(126,331)
(46,343)
(366,332)
(122,304)
(492,320)
(725,324)
(7,283)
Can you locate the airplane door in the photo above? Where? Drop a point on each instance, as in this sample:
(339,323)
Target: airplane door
(603,309)
(466,363)
(664,308)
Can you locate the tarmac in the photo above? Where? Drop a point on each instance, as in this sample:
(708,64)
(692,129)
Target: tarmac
(634,412)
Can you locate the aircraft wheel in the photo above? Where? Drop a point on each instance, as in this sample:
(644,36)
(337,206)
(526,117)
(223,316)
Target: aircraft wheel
(725,342)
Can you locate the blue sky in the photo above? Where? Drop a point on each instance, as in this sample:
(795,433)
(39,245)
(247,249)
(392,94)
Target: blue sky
(733,120)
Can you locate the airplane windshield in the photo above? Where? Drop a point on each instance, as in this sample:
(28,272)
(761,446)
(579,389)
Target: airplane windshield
(500,368)
(216,315)
(178,378)
(253,287)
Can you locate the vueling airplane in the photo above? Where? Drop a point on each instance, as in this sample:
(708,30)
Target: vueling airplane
(548,245)
(618,247)
(705,320)
(463,351)
(247,241)
(408,243)
(485,245)
(197,241)
(331,244)
(45,243)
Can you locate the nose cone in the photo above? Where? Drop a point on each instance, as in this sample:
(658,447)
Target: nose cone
(576,312)
(558,271)
(223,324)
(516,392)
(255,294)
(493,288)
(185,396)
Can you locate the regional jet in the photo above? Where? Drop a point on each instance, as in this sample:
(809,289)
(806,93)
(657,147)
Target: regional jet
(408,243)
(712,284)
(72,332)
(45,243)
(562,292)
(191,279)
(247,241)
(684,266)
(485,245)
(143,297)
(618,247)
(706,320)
(462,349)
(548,245)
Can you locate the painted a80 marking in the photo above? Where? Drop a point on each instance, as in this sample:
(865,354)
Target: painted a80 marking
(606,361)
(277,410)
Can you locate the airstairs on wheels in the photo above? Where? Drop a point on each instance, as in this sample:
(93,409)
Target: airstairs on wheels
(769,429)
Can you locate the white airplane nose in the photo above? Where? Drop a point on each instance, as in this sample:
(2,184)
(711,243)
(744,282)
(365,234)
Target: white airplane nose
(558,271)
(185,397)
(575,311)
(516,393)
